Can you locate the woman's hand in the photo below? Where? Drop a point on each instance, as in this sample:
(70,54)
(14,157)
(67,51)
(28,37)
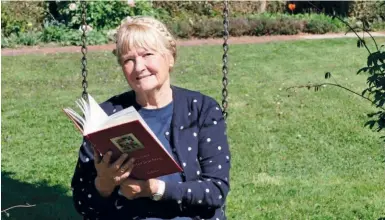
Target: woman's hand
(132,189)
(110,175)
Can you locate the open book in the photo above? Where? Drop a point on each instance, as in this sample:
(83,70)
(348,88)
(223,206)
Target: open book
(123,132)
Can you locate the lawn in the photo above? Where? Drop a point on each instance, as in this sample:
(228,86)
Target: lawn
(297,154)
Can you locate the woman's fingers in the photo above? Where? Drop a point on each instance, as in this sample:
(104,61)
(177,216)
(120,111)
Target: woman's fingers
(106,158)
(118,163)
(127,168)
(117,171)
(97,157)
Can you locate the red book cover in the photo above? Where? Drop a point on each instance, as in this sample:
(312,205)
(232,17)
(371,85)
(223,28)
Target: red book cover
(151,159)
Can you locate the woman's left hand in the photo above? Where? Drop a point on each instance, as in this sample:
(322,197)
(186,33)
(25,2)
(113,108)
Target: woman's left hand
(132,188)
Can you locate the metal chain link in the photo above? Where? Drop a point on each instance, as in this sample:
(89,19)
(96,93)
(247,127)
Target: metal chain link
(84,49)
(224,58)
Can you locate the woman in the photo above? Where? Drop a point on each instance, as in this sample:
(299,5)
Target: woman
(189,124)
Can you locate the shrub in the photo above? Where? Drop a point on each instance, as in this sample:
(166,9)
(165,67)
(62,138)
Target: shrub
(239,27)
(9,42)
(21,16)
(318,27)
(29,38)
(97,38)
(205,28)
(289,26)
(100,15)
(368,10)
(185,9)
(275,26)
(181,28)
(54,32)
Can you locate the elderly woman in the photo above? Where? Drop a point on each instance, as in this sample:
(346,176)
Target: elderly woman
(189,124)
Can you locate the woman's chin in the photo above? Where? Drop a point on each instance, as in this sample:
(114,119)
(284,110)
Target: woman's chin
(147,87)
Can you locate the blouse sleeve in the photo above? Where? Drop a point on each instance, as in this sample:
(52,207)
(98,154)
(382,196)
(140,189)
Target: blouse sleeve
(87,200)
(214,157)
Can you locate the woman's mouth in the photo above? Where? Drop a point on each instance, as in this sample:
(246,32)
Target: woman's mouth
(143,76)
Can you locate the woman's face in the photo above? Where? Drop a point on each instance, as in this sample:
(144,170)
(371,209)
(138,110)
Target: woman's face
(146,70)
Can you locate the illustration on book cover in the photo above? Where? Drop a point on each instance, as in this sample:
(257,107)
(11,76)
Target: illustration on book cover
(127,143)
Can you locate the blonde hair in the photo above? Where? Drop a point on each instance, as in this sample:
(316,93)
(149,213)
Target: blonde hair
(144,32)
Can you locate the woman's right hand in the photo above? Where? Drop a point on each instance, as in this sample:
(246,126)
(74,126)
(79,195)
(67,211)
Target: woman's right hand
(110,175)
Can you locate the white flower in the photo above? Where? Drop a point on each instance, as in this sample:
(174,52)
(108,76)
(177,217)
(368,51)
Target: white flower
(72,7)
(87,28)
(131,3)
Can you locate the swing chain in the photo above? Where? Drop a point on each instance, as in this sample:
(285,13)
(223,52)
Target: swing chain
(84,49)
(224,58)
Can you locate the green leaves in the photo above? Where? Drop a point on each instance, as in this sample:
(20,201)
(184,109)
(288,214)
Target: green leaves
(360,43)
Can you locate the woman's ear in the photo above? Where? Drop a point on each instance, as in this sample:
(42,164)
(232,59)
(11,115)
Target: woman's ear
(171,61)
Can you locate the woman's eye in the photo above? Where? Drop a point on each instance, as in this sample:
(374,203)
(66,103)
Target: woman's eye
(147,54)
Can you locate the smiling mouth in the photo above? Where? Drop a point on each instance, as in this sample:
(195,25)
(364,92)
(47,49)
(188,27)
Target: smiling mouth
(142,77)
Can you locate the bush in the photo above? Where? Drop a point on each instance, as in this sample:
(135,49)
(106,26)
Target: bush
(370,11)
(186,9)
(289,26)
(97,38)
(194,26)
(239,27)
(181,28)
(100,15)
(54,32)
(22,16)
(206,28)
(213,9)
(29,38)
(318,27)
(9,42)
(275,26)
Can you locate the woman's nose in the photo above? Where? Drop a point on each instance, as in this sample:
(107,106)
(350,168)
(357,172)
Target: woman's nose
(139,64)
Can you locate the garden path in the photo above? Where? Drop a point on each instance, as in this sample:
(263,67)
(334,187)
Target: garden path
(191,42)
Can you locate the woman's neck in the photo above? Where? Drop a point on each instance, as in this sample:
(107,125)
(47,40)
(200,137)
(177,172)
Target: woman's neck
(155,99)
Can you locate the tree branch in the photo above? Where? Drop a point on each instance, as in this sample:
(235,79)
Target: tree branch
(18,206)
(308,86)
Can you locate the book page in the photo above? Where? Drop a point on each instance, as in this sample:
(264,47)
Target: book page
(128,111)
(75,116)
(118,120)
(94,114)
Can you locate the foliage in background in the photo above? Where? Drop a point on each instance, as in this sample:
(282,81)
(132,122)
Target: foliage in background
(21,16)
(194,27)
(370,11)
(58,21)
(100,15)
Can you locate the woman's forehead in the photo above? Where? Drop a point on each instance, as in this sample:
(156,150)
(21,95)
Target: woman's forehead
(138,50)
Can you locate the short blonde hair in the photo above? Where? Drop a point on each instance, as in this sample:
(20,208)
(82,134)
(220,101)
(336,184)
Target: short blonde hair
(144,32)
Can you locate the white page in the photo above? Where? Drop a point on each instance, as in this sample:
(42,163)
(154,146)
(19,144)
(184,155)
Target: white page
(75,116)
(95,115)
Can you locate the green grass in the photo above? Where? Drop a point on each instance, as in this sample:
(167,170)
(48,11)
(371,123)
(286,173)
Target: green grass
(296,154)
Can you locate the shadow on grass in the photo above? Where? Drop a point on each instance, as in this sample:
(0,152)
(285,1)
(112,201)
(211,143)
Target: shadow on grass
(382,218)
(51,201)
